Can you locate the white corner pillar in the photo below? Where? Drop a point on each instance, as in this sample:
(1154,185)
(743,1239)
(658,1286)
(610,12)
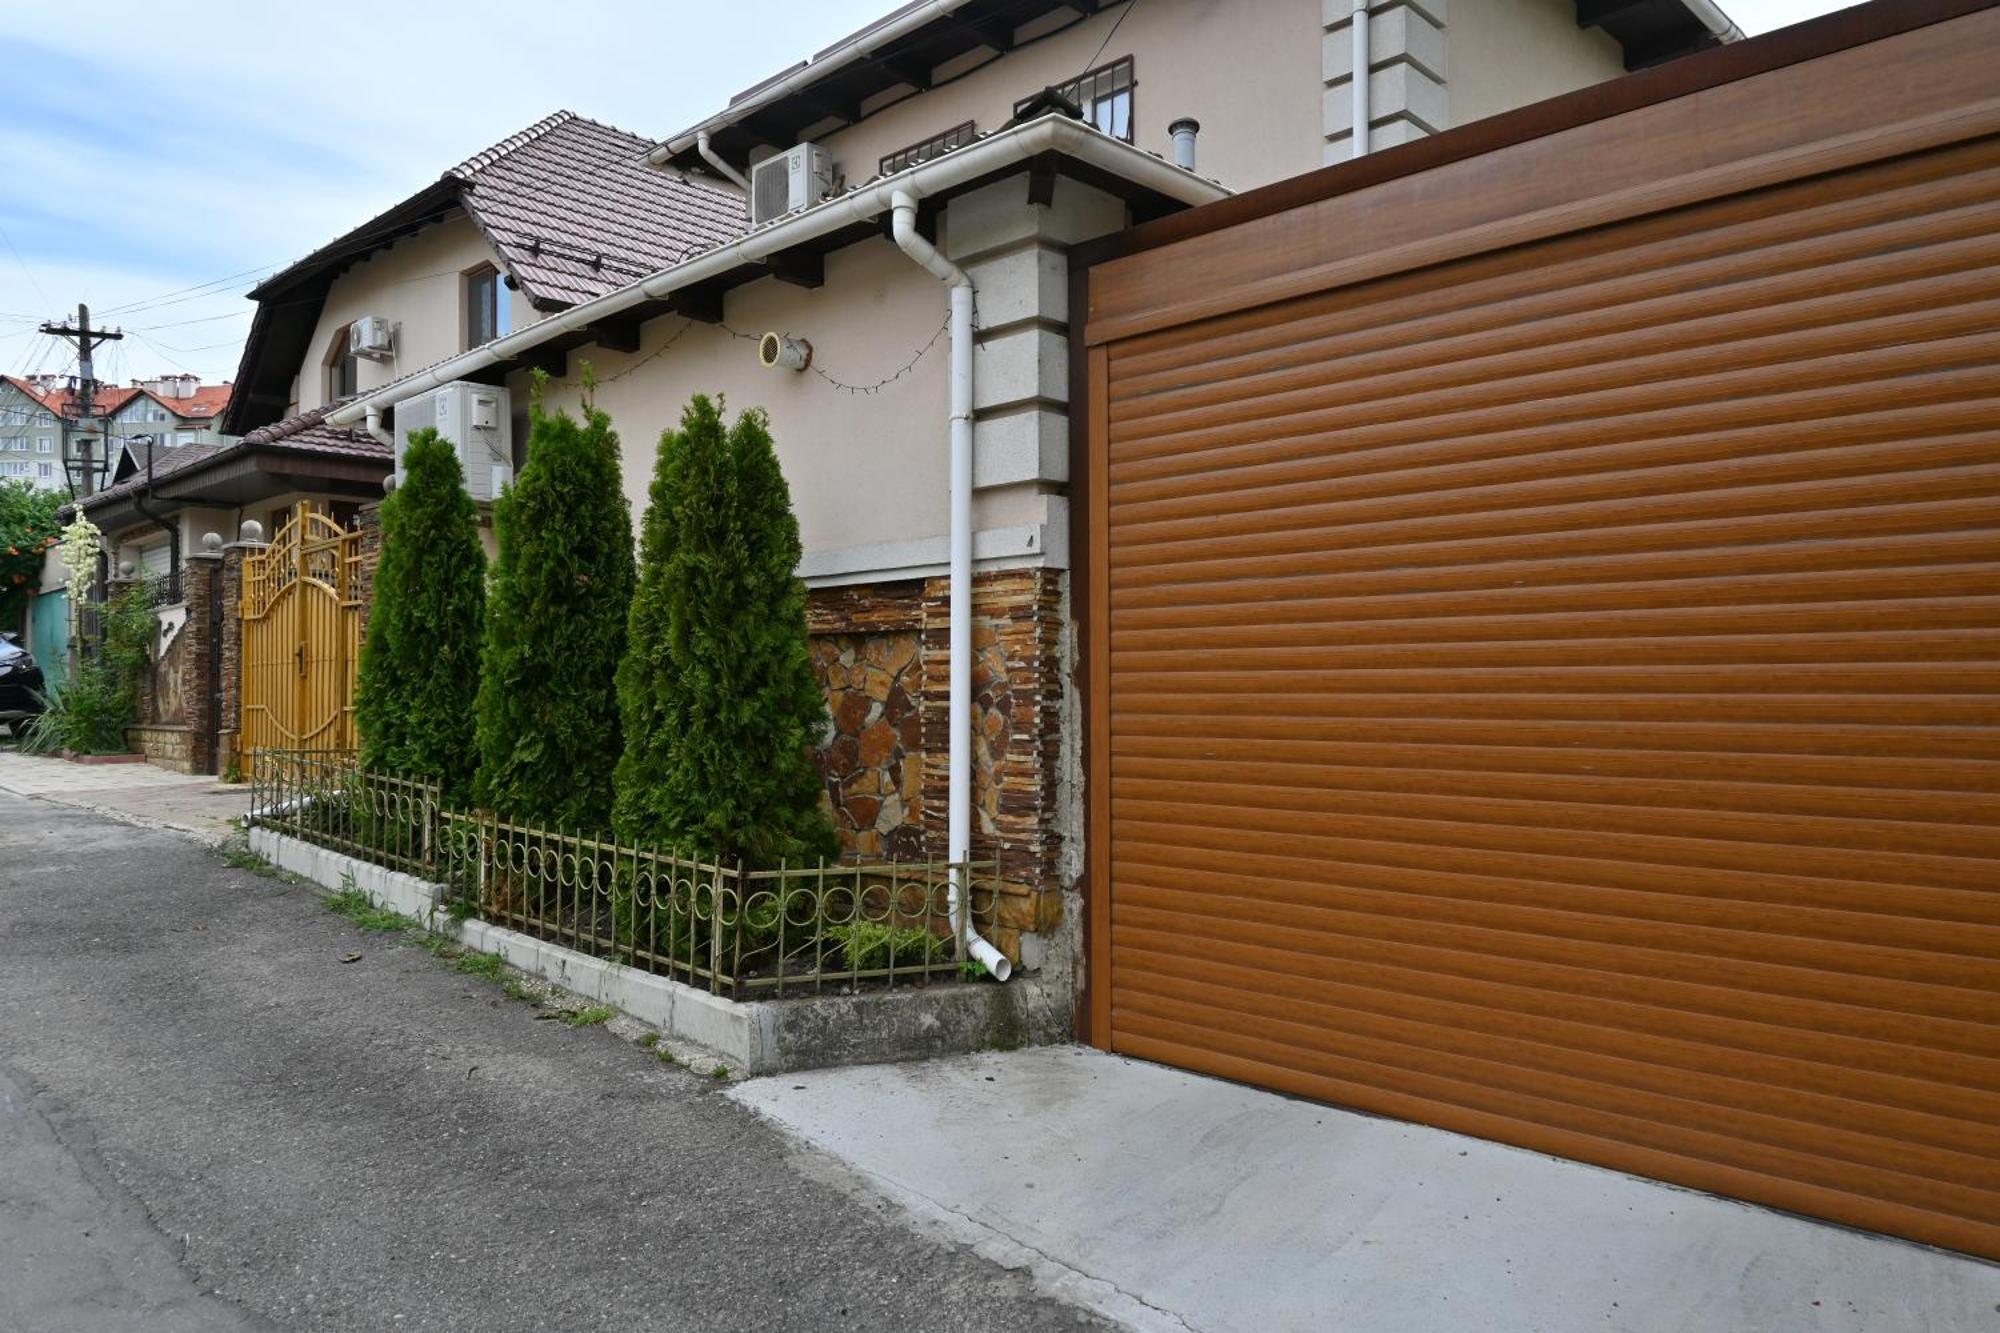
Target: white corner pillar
(1016,250)
(1406,73)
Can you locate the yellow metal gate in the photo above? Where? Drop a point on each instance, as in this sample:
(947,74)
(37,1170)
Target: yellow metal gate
(301,637)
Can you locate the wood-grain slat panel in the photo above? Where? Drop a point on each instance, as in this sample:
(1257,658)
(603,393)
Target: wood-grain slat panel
(1546,666)
(1948,1048)
(1945,1147)
(1803,225)
(1395,979)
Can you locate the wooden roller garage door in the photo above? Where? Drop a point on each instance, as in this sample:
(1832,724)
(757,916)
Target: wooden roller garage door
(1553,694)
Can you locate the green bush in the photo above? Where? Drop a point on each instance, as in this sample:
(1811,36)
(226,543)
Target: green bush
(547,713)
(420,663)
(28,529)
(720,706)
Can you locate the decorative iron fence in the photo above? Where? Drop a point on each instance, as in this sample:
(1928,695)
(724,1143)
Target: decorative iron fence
(326,798)
(792,930)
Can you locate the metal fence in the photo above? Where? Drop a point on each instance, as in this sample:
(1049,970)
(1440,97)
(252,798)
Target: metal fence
(326,798)
(728,930)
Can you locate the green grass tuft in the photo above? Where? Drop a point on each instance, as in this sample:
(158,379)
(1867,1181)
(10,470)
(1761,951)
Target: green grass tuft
(650,1040)
(238,856)
(590,1017)
(354,906)
(485,966)
(719,1072)
(516,989)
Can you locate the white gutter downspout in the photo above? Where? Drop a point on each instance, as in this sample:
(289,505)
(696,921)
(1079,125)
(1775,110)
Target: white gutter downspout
(714,159)
(1358,140)
(958,839)
(1715,20)
(374,424)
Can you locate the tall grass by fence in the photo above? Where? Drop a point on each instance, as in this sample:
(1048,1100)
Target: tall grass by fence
(720,927)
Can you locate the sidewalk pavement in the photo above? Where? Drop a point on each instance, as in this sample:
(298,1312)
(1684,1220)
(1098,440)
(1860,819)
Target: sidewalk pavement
(136,793)
(1171,1201)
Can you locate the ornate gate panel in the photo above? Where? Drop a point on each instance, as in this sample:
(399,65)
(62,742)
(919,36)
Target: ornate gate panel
(301,637)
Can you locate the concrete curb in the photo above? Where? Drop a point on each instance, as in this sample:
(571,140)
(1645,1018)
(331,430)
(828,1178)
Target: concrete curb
(753,1036)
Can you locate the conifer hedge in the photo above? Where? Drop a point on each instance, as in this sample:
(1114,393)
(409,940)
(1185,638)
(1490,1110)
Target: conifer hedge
(720,705)
(420,662)
(548,732)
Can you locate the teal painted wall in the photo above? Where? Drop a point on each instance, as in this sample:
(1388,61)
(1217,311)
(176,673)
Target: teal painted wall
(48,638)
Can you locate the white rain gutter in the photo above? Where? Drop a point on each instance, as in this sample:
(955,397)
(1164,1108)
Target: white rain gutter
(958,834)
(1357,139)
(714,159)
(1050,133)
(859,47)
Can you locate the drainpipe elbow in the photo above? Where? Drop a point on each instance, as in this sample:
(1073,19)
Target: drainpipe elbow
(375,429)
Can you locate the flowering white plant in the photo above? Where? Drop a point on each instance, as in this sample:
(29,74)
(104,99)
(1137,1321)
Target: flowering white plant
(82,543)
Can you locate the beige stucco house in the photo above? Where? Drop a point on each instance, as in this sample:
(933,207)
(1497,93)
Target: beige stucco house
(919,300)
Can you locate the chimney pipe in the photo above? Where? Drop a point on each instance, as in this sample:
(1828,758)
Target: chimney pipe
(1182,132)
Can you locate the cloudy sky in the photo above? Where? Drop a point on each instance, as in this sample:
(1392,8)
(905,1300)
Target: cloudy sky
(157,159)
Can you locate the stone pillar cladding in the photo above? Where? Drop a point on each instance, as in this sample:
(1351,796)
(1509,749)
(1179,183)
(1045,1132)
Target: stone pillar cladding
(230,651)
(867,646)
(882,653)
(1406,73)
(368,522)
(201,580)
(1018,683)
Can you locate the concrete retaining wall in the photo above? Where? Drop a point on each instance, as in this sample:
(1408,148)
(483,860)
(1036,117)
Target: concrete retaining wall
(753,1036)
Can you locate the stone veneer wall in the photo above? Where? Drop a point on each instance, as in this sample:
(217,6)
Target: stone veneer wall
(165,746)
(882,653)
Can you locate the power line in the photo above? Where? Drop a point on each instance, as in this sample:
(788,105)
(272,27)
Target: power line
(1091,63)
(183,323)
(179,294)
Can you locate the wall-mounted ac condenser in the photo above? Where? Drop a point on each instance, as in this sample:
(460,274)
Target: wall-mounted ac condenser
(477,419)
(789,181)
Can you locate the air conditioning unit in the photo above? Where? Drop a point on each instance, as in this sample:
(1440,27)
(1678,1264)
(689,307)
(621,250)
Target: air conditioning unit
(797,178)
(373,337)
(478,419)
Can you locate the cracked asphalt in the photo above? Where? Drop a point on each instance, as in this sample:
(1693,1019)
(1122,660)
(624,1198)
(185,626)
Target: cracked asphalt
(209,1122)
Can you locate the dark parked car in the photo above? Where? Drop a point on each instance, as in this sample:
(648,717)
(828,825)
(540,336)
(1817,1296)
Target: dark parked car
(20,683)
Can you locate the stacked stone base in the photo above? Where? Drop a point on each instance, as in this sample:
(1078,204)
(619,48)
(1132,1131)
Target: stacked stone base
(882,652)
(165,746)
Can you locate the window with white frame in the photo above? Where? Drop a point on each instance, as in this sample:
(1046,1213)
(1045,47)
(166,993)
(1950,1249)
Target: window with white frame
(1104,95)
(45,418)
(45,445)
(46,471)
(14,469)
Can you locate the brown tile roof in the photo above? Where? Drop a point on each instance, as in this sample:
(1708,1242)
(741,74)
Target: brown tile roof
(309,432)
(573,210)
(306,432)
(166,462)
(568,204)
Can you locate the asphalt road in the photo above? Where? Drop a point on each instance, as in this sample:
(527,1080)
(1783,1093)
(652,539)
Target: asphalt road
(208,1121)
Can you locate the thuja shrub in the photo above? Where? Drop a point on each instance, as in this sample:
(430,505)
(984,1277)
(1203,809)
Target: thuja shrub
(720,706)
(420,663)
(548,731)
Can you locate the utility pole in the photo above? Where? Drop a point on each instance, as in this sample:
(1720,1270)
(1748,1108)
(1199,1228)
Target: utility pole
(85,339)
